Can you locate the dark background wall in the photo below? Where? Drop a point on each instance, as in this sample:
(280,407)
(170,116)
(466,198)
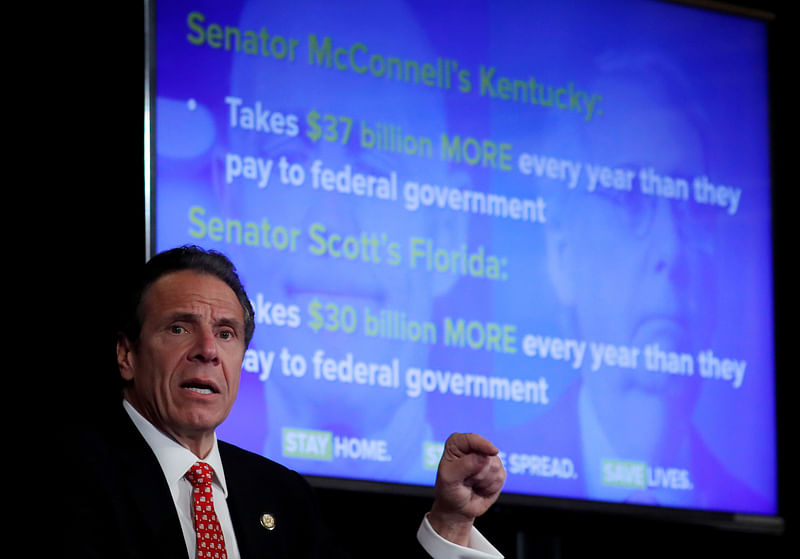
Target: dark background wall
(93,103)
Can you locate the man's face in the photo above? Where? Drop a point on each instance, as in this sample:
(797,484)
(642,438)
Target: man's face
(184,371)
(299,277)
(641,264)
(636,271)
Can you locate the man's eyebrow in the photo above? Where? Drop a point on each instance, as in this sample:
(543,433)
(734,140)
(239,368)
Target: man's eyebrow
(183,317)
(231,322)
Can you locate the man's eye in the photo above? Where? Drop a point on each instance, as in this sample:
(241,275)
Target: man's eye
(176,329)
(226,335)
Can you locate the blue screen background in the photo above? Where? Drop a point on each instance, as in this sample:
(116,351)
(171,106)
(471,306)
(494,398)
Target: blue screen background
(611,119)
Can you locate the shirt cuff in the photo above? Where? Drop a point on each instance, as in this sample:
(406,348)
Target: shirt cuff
(440,548)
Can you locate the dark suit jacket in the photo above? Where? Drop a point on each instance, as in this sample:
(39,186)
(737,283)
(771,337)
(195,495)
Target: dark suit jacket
(124,508)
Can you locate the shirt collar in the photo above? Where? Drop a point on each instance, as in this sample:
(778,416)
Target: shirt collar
(175,460)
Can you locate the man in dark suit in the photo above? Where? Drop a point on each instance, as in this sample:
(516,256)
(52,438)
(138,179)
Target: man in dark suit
(180,353)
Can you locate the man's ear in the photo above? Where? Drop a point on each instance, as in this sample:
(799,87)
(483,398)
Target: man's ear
(125,357)
(558,264)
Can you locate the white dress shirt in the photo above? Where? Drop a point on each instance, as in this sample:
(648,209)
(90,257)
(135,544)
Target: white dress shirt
(175,461)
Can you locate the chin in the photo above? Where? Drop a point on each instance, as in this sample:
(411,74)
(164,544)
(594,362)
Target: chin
(203,421)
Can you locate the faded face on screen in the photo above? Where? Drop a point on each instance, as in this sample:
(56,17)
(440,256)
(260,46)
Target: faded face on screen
(351,258)
(630,257)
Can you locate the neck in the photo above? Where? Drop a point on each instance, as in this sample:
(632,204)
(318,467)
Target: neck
(200,447)
(198,443)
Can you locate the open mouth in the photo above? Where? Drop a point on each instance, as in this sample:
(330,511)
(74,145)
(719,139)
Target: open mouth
(666,329)
(200,388)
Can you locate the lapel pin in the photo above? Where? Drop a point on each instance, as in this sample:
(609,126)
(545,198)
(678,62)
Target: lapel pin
(268,521)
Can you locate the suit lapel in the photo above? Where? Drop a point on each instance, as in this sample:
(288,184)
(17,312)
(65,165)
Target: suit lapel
(149,492)
(246,506)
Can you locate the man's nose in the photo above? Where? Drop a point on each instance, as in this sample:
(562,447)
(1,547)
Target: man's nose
(205,347)
(667,234)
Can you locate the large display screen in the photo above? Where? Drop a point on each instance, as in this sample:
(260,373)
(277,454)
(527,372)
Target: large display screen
(545,222)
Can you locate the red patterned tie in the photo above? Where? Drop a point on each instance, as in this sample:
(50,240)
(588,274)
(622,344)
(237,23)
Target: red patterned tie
(210,542)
